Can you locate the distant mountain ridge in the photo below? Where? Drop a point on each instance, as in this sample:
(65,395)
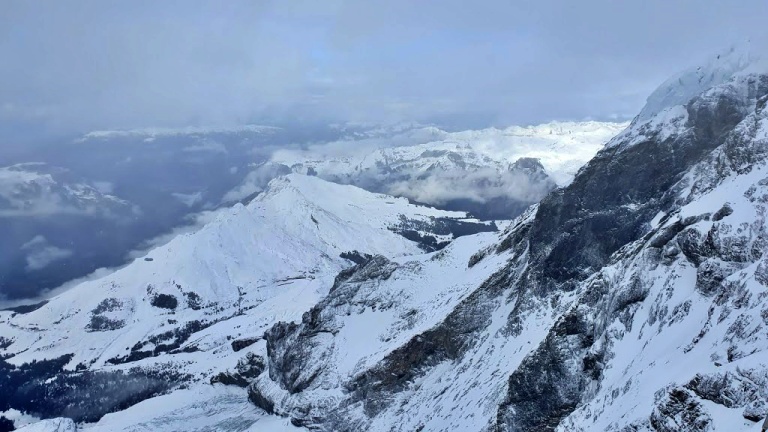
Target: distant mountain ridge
(493,173)
(159,180)
(632,299)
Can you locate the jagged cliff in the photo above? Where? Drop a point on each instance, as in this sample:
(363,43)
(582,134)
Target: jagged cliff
(632,299)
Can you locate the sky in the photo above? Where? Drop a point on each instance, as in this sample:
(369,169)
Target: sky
(84,65)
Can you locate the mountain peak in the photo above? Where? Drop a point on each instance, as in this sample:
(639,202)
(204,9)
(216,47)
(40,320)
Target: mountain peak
(683,86)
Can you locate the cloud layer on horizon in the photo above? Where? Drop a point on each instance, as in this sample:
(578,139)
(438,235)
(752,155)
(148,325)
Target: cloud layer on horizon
(88,64)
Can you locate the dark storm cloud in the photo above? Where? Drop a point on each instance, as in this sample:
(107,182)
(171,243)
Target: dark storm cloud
(81,65)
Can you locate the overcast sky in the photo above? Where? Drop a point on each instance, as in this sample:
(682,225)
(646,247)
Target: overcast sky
(82,65)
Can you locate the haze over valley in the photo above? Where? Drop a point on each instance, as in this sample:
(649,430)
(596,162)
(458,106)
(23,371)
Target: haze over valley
(383,216)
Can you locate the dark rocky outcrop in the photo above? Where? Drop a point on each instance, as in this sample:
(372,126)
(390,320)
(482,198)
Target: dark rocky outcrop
(724,211)
(356,257)
(164,301)
(261,401)
(45,389)
(228,378)
(678,410)
(6,425)
(100,321)
(618,192)
(583,253)
(248,368)
(239,344)
(546,388)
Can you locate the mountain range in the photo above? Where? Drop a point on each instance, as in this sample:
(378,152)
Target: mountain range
(98,198)
(631,298)
(492,173)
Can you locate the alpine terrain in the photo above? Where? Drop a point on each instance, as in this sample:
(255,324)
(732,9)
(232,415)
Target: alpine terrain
(83,204)
(633,298)
(492,173)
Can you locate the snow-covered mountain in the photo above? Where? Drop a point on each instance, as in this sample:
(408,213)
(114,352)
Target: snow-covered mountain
(190,308)
(493,173)
(635,298)
(561,147)
(98,197)
(110,193)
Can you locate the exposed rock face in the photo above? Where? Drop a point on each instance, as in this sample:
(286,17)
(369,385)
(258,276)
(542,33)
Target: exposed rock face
(196,313)
(635,299)
(679,410)
(613,229)
(659,241)
(579,227)
(248,368)
(240,344)
(295,351)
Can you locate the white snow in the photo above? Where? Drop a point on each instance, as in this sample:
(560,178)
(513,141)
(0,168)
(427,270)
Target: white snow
(197,409)
(562,148)
(275,257)
(691,82)
(51,425)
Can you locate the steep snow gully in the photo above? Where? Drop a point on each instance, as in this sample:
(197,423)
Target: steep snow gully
(633,299)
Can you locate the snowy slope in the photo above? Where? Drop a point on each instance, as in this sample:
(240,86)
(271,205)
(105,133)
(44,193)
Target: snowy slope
(285,243)
(634,299)
(178,309)
(200,408)
(691,82)
(327,368)
(562,148)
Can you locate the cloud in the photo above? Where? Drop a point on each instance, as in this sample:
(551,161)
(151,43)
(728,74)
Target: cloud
(208,146)
(39,190)
(255,181)
(36,241)
(358,140)
(479,186)
(42,258)
(90,64)
(188,200)
(104,187)
(41,254)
